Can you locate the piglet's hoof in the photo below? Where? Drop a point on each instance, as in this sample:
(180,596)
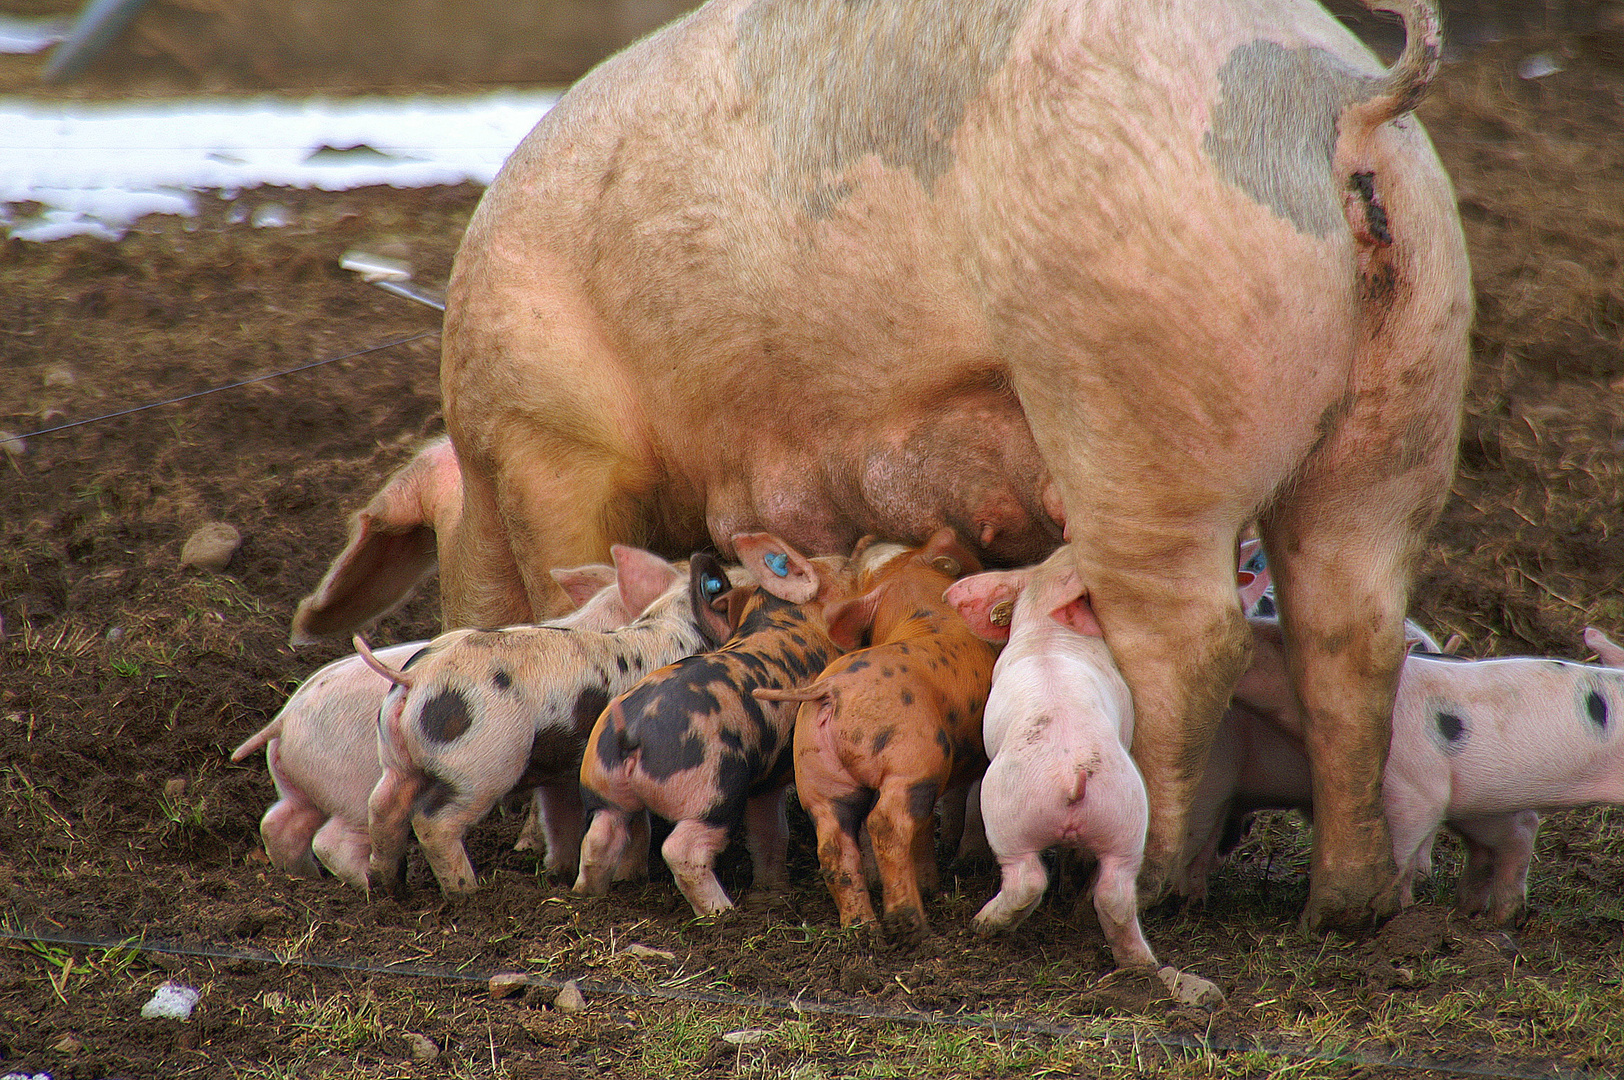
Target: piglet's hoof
(905,926)
(1190,990)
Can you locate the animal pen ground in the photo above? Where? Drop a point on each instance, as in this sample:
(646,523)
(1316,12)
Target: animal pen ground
(129,851)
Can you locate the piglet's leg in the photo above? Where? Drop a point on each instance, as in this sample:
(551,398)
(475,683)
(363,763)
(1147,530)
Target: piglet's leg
(690,851)
(1116,902)
(766,834)
(841,858)
(555,826)
(1024,882)
(633,862)
(1498,851)
(289,824)
(901,813)
(441,835)
(606,840)
(389,817)
(345,850)
(286,829)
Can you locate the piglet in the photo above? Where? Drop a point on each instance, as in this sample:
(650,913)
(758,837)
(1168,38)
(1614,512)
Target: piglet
(691,744)
(479,713)
(887,729)
(1058,726)
(322,747)
(394,544)
(1482,746)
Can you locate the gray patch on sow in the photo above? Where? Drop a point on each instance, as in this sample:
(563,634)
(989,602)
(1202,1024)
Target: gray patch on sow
(1273,129)
(834,81)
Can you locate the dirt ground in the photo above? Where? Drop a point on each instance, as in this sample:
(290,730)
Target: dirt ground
(125,681)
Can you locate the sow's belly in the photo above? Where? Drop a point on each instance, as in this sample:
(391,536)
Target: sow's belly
(968,462)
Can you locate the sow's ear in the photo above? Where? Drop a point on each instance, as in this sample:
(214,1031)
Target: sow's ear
(778,567)
(707,582)
(987,602)
(642,577)
(393,545)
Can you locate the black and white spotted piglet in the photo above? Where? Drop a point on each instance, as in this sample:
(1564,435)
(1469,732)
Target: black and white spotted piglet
(1479,745)
(480,713)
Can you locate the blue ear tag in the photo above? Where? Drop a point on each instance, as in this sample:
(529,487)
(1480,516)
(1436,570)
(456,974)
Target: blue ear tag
(777,562)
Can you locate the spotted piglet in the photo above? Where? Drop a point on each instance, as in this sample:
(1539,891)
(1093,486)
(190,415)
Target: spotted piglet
(1059,724)
(691,744)
(1482,746)
(886,729)
(480,713)
(322,746)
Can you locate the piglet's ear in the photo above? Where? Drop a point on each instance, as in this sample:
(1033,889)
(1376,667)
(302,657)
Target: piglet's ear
(1251,585)
(707,582)
(778,567)
(642,576)
(851,620)
(582,583)
(1072,608)
(734,603)
(986,602)
(1078,614)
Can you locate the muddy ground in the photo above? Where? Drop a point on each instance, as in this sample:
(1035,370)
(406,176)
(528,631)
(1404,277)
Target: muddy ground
(125,680)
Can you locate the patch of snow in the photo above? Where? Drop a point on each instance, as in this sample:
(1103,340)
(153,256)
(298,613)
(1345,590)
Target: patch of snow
(92,166)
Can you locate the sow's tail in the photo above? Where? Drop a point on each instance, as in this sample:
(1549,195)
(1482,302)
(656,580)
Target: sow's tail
(1406,82)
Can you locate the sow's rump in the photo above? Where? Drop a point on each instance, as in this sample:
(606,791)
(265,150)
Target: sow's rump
(1126,275)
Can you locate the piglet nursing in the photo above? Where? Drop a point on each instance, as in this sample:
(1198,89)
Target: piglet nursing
(322,747)
(1059,722)
(479,713)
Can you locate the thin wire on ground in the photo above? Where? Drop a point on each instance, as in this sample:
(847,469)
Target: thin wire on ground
(231,386)
(1499,1069)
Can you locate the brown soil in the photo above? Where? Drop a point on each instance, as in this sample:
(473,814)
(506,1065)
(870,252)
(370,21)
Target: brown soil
(126,680)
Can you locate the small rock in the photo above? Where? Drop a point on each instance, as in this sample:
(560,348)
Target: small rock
(68,1044)
(174,787)
(211,546)
(507,984)
(270,216)
(643,952)
(746,1037)
(61,375)
(1538,66)
(12,443)
(421,1047)
(569,999)
(171,1001)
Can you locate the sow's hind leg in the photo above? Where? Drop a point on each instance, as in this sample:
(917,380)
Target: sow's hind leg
(1342,541)
(553,447)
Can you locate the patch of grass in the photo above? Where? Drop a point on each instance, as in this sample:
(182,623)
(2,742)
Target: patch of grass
(33,802)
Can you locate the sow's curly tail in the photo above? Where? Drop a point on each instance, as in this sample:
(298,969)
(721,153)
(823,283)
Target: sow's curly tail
(1407,81)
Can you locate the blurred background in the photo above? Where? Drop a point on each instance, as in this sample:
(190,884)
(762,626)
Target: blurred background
(354,46)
